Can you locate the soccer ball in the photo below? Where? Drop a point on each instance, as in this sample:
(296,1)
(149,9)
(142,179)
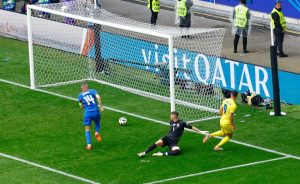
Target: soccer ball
(122,121)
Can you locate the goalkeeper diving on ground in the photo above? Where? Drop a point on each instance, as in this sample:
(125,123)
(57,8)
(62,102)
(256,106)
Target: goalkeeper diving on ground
(172,138)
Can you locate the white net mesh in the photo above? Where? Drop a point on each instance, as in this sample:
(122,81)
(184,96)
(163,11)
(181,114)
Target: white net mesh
(74,42)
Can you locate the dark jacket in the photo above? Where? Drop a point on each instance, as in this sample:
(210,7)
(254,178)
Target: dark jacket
(276,18)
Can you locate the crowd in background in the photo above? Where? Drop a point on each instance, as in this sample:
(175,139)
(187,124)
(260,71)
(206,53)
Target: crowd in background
(11,5)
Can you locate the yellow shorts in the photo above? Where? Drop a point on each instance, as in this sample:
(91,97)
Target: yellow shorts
(226,128)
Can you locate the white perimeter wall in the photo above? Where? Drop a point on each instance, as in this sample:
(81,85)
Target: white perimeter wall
(62,36)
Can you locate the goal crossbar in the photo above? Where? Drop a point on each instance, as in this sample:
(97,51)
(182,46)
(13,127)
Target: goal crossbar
(96,21)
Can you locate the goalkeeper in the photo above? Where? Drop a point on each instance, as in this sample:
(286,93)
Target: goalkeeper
(171,140)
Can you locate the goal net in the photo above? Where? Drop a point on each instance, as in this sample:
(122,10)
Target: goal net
(73,41)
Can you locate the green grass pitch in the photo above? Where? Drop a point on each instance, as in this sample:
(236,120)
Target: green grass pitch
(47,130)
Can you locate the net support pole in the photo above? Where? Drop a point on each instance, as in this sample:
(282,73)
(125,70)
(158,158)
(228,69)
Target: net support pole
(97,41)
(95,3)
(275,78)
(30,48)
(172,73)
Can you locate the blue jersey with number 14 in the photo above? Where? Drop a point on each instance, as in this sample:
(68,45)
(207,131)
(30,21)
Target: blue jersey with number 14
(88,100)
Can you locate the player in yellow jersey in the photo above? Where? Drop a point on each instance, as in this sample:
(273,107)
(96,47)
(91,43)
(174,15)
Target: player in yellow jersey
(227,110)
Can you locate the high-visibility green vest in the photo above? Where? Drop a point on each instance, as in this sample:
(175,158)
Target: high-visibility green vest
(281,18)
(155,5)
(181,8)
(240,16)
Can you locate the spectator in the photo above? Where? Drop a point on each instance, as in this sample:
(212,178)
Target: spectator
(241,17)
(184,12)
(9,5)
(45,2)
(44,14)
(278,26)
(154,6)
(23,9)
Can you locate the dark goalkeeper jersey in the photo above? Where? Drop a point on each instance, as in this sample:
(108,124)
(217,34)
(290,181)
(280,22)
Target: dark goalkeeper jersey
(176,130)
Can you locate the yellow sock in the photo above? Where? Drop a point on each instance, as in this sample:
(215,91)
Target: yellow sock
(223,141)
(218,133)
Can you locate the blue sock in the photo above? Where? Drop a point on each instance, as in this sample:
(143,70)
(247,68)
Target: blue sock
(88,137)
(97,127)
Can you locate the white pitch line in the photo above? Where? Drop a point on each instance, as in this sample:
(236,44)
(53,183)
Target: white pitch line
(217,170)
(48,168)
(156,121)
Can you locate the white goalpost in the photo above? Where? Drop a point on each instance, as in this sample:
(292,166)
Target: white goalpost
(77,41)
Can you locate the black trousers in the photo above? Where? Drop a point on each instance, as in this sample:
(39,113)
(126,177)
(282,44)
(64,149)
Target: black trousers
(154,16)
(236,42)
(279,38)
(185,21)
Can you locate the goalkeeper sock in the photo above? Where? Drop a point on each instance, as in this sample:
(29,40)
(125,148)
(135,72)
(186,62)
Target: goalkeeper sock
(172,153)
(218,133)
(223,141)
(88,137)
(97,127)
(151,148)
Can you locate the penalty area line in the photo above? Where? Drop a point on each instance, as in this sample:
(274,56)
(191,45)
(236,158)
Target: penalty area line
(217,170)
(48,168)
(154,120)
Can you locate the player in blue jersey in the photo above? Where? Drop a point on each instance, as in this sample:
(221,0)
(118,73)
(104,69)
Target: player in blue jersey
(90,101)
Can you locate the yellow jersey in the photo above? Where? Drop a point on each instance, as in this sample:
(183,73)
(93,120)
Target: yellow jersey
(228,106)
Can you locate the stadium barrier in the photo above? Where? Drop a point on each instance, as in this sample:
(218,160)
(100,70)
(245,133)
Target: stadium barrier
(231,74)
